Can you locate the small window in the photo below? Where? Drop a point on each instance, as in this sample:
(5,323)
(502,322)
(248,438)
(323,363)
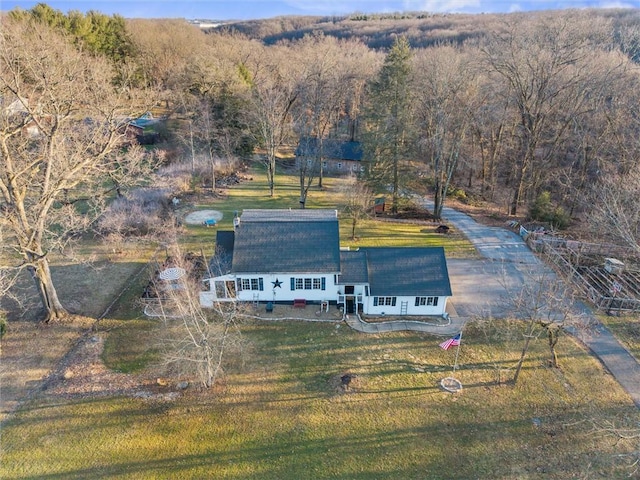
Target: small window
(319,283)
(251,284)
(426,301)
(339,165)
(390,301)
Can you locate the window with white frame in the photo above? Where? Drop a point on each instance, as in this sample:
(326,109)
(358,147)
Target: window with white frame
(251,284)
(381,301)
(339,165)
(308,283)
(426,301)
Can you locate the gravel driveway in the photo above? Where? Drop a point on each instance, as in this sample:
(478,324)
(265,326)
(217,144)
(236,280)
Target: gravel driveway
(478,287)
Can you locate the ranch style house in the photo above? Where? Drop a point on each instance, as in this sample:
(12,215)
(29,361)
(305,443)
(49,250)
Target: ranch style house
(294,257)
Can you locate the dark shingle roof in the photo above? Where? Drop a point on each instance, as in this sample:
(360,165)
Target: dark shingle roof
(353,267)
(408,271)
(331,148)
(281,241)
(221,262)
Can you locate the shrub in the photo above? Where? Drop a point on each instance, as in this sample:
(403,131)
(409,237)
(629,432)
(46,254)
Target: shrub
(188,176)
(458,194)
(543,210)
(142,212)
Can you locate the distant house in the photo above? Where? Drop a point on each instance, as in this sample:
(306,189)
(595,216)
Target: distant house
(338,157)
(294,257)
(142,129)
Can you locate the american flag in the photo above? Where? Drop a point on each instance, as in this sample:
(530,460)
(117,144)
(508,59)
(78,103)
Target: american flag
(452,342)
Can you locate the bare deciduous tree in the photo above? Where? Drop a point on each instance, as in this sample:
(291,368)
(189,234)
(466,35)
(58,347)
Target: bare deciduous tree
(444,97)
(60,124)
(546,305)
(358,203)
(545,71)
(319,102)
(197,341)
(616,208)
(163,47)
(621,434)
(272,93)
(330,92)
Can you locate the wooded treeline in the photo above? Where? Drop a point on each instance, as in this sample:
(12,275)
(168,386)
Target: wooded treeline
(538,109)
(512,108)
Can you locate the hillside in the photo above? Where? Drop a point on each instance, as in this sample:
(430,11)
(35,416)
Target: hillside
(379,30)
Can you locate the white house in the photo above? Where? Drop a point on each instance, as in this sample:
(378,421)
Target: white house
(294,257)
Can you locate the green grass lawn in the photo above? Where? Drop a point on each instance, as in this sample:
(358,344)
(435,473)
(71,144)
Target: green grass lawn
(254,194)
(281,414)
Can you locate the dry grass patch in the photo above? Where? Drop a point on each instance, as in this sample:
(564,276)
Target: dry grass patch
(626,328)
(31,349)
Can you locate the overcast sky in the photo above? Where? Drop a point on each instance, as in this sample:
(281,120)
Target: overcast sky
(248,9)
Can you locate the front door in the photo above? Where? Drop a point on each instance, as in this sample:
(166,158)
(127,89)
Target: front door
(350,304)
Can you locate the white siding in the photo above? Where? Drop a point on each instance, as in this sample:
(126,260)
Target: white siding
(412,309)
(283,293)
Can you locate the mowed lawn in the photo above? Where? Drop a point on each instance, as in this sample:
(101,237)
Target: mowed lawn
(280,412)
(370,232)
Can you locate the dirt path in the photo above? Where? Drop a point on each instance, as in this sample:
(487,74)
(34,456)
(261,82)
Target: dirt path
(81,373)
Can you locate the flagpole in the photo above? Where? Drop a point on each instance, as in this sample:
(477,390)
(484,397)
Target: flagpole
(455,363)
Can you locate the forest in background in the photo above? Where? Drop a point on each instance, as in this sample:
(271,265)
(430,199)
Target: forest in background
(422,29)
(536,113)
